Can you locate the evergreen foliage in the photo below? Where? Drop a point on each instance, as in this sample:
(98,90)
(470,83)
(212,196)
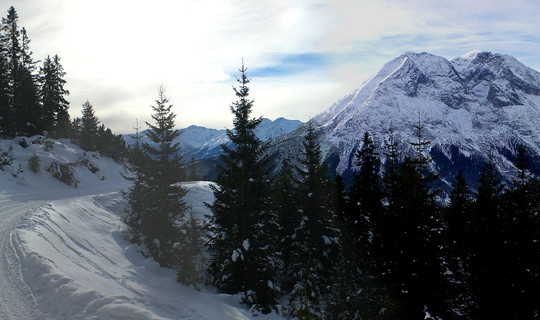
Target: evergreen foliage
(89,123)
(316,242)
(22,114)
(285,204)
(190,253)
(93,136)
(244,229)
(164,208)
(54,104)
(458,237)
(135,197)
(486,243)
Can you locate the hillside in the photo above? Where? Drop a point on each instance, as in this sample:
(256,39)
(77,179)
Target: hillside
(63,251)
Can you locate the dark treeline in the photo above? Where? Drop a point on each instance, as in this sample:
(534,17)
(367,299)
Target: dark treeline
(303,244)
(33,97)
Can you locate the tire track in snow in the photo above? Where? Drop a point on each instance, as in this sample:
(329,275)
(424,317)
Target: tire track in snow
(16,299)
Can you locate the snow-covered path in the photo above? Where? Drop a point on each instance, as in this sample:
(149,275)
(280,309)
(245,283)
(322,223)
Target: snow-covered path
(16,299)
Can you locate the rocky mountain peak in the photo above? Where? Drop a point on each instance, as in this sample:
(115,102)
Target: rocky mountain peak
(478,104)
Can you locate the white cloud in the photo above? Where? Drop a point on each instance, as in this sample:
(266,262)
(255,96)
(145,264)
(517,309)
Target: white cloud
(116,53)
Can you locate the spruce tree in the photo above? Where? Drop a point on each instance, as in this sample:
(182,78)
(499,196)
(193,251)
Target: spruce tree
(164,208)
(243,258)
(135,196)
(316,242)
(521,252)
(486,245)
(285,206)
(190,253)
(366,197)
(89,124)
(369,224)
(5,109)
(411,261)
(23,112)
(458,236)
(52,94)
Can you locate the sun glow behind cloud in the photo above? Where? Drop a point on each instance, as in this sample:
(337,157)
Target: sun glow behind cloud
(302,55)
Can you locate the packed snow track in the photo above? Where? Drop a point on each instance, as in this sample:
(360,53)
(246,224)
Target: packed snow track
(16,299)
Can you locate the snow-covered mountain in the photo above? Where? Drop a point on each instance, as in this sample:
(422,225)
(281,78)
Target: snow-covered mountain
(478,105)
(205,143)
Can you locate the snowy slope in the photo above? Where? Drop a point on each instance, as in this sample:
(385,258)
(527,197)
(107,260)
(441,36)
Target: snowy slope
(65,255)
(479,104)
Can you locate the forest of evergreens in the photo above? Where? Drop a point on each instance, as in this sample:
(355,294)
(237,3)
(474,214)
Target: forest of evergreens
(300,242)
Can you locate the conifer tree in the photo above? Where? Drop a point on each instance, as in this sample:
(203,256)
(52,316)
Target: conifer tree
(190,253)
(285,206)
(370,226)
(366,196)
(135,195)
(245,227)
(316,238)
(458,214)
(52,94)
(10,38)
(89,124)
(4,95)
(411,261)
(486,244)
(164,207)
(521,251)
(23,111)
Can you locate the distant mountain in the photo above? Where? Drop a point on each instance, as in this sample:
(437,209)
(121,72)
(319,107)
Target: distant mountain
(205,143)
(479,105)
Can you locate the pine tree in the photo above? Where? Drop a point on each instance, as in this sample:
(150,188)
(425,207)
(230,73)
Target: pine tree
(244,224)
(410,261)
(521,251)
(5,109)
(23,113)
(190,251)
(285,206)
(486,245)
(89,124)
(316,242)
(164,208)
(52,93)
(458,235)
(370,225)
(135,196)
(366,196)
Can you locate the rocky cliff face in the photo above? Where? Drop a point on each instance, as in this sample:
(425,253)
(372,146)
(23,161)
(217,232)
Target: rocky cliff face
(478,105)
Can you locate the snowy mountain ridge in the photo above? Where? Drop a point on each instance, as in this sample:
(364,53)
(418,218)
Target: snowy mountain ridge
(205,143)
(473,106)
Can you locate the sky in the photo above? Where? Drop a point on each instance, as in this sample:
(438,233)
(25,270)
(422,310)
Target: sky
(301,55)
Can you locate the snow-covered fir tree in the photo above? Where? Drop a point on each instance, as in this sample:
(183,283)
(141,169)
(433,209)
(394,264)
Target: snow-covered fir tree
(135,197)
(245,231)
(190,253)
(88,130)
(164,208)
(315,239)
(22,115)
(53,97)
